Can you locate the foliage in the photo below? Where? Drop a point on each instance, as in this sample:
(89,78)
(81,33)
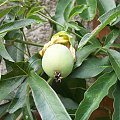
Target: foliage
(28,93)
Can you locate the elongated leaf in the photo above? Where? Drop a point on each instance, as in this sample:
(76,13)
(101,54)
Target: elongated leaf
(0,68)
(2,35)
(9,85)
(15,70)
(14,116)
(116,114)
(115,61)
(75,26)
(116,45)
(16,51)
(68,10)
(16,25)
(105,20)
(10,117)
(77,10)
(28,104)
(105,7)
(116,22)
(109,16)
(46,100)
(4,12)
(37,18)
(94,95)
(90,12)
(59,14)
(92,67)
(26,115)
(83,53)
(35,63)
(111,38)
(19,100)
(34,10)
(68,103)
(3,52)
(3,109)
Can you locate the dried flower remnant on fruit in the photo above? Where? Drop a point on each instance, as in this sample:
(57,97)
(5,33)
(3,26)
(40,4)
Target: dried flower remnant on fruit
(60,38)
(57,76)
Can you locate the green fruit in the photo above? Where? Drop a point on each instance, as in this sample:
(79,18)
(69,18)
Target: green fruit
(57,60)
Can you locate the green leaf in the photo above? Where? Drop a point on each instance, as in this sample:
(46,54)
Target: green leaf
(103,118)
(116,45)
(116,22)
(10,117)
(68,103)
(2,35)
(94,95)
(37,18)
(59,14)
(77,10)
(19,100)
(5,11)
(111,38)
(34,10)
(46,100)
(116,94)
(9,85)
(16,51)
(3,52)
(15,70)
(3,109)
(71,88)
(114,58)
(83,53)
(105,20)
(93,67)
(90,12)
(68,10)
(109,16)
(16,25)
(0,69)
(35,63)
(28,111)
(21,11)
(26,115)
(104,6)
(83,31)
(75,26)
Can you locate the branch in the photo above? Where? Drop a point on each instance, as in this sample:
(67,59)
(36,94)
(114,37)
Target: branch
(53,21)
(26,42)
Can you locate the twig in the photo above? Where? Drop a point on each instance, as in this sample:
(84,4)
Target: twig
(21,50)
(48,13)
(53,21)
(26,45)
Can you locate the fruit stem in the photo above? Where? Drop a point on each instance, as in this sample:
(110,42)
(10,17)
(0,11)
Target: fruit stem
(50,80)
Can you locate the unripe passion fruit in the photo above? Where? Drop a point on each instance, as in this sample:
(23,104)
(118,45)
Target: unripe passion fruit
(57,60)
